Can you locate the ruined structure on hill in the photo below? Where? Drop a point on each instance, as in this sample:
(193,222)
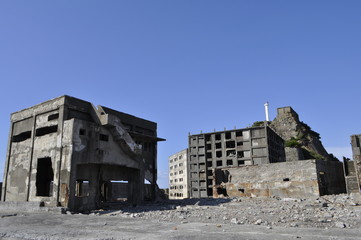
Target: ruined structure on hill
(257,161)
(301,141)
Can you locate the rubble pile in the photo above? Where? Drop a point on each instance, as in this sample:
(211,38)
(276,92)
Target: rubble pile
(340,211)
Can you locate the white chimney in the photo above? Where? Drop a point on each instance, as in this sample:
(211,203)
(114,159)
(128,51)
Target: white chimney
(266,111)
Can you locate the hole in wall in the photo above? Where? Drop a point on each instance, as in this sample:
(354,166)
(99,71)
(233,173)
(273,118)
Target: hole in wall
(46,130)
(53,116)
(22,136)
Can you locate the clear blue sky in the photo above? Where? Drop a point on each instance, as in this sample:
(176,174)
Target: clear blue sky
(187,65)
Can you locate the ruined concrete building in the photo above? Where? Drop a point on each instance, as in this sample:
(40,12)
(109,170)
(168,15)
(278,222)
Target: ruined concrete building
(66,152)
(233,148)
(178,188)
(253,162)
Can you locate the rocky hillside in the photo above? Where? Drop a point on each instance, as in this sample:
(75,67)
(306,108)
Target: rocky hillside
(299,135)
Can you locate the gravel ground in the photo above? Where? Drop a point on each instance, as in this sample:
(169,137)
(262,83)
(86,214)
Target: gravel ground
(328,217)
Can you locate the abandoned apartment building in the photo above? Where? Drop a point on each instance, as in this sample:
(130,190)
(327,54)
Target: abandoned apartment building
(178,187)
(252,162)
(67,152)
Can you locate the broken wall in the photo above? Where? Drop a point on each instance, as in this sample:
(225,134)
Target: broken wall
(331,177)
(351,178)
(356,154)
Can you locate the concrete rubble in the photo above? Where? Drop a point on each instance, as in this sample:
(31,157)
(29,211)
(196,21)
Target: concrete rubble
(326,217)
(321,212)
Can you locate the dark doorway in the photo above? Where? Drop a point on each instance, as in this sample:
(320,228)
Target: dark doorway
(323,184)
(44,177)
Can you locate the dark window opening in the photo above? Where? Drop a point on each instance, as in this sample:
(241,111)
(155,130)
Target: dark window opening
(46,130)
(230,144)
(82,132)
(82,188)
(209,146)
(231,153)
(222,191)
(219,163)
(209,155)
(229,162)
(22,136)
(218,137)
(286,179)
(44,177)
(228,135)
(241,190)
(218,145)
(239,143)
(219,154)
(239,134)
(53,116)
(240,162)
(240,154)
(208,138)
(103,137)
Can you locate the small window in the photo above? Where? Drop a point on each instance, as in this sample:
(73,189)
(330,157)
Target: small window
(228,135)
(219,163)
(286,179)
(46,130)
(218,137)
(240,162)
(103,137)
(53,116)
(22,136)
(82,188)
(82,132)
(229,162)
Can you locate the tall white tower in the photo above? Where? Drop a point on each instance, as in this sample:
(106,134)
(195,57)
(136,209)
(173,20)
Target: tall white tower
(266,111)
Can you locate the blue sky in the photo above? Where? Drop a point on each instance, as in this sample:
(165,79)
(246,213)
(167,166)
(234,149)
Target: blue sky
(187,65)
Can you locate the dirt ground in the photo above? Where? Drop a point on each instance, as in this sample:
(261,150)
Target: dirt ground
(331,217)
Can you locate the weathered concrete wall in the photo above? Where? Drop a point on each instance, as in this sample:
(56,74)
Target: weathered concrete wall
(331,177)
(356,154)
(351,178)
(287,179)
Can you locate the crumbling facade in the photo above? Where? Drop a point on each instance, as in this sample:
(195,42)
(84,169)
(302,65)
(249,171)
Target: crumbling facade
(178,188)
(233,148)
(66,152)
(353,167)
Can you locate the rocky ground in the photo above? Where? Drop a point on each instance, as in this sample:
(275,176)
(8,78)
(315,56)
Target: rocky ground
(341,211)
(327,217)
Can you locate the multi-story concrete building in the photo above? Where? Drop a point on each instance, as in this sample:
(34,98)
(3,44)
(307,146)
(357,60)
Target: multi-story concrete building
(66,152)
(178,188)
(233,148)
